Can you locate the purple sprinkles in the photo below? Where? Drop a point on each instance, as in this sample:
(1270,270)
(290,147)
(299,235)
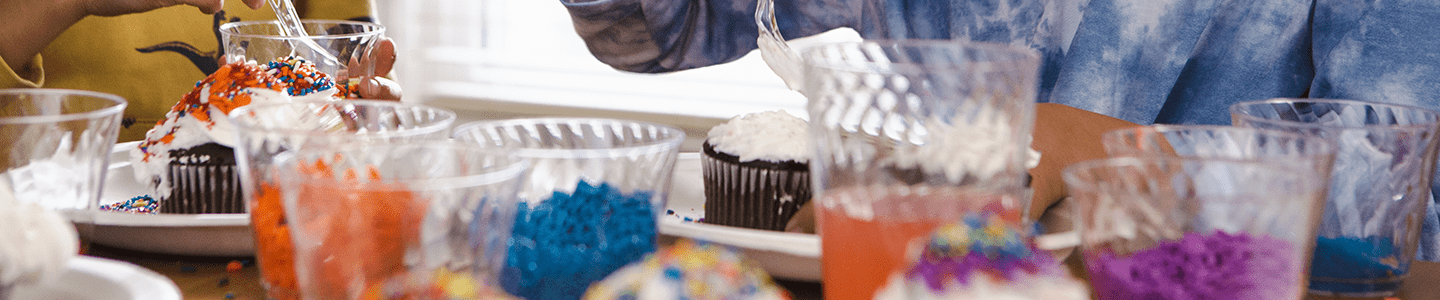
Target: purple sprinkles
(1197,266)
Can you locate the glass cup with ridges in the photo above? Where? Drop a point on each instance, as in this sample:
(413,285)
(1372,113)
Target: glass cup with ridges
(1158,227)
(592,198)
(57,147)
(345,46)
(910,135)
(265,131)
(365,217)
(1379,186)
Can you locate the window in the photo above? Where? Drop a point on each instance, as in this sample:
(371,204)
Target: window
(523,57)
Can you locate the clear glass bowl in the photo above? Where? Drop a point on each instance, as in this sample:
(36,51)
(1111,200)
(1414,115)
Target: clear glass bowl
(593,197)
(363,214)
(267,131)
(1379,186)
(1211,228)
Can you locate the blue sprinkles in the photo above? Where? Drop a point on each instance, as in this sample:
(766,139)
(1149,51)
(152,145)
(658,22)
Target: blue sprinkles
(561,246)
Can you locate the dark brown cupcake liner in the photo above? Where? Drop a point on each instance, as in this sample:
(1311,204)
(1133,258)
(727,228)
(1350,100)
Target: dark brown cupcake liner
(203,180)
(754,194)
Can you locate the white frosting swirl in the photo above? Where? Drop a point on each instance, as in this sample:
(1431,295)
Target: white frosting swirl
(190,132)
(35,242)
(773,136)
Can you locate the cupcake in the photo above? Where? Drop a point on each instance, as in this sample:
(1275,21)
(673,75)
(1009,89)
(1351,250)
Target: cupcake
(188,160)
(756,170)
(984,256)
(688,270)
(35,243)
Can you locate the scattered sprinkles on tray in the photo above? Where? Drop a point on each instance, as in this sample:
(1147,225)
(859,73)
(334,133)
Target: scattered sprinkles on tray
(139,204)
(684,217)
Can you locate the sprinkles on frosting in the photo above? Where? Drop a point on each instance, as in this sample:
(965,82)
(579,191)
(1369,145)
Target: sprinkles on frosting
(223,90)
(226,89)
(689,270)
(982,242)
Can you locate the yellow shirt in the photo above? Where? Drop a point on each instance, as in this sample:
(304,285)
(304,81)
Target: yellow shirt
(152,58)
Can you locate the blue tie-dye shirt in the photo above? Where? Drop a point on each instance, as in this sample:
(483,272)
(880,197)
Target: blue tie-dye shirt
(1145,61)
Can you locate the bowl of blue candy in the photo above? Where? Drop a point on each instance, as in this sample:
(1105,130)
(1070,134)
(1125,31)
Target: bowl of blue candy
(590,202)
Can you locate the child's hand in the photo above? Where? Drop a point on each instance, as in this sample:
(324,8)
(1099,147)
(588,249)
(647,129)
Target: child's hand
(381,56)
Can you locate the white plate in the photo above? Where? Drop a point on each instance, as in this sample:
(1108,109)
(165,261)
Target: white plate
(200,234)
(94,278)
(785,255)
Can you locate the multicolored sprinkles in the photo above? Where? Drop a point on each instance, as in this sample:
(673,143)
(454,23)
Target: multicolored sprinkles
(225,90)
(300,77)
(140,204)
(690,270)
(983,242)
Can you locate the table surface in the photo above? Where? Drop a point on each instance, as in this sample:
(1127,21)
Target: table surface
(204,278)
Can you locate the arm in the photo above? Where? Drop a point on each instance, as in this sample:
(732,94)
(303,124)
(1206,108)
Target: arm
(1064,135)
(656,36)
(30,25)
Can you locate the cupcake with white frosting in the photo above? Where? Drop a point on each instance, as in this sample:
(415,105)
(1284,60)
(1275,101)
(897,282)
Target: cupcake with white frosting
(757,170)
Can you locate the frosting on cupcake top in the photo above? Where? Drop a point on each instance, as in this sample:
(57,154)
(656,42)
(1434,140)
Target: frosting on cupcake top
(35,242)
(773,136)
(688,270)
(984,256)
(200,116)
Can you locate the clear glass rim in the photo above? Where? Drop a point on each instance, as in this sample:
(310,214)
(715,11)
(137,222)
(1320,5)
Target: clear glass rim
(1118,134)
(231,29)
(1236,112)
(117,106)
(512,169)
(671,143)
(1073,182)
(437,126)
(1017,54)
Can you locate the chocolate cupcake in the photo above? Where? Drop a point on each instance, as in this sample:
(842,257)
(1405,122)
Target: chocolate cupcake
(756,171)
(187,160)
(204,180)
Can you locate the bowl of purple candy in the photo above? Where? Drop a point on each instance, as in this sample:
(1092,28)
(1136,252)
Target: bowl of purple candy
(591,200)
(1195,228)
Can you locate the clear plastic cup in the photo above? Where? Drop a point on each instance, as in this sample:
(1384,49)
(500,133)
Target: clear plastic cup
(266,131)
(57,147)
(366,214)
(592,198)
(1379,186)
(337,48)
(1158,227)
(1215,141)
(910,135)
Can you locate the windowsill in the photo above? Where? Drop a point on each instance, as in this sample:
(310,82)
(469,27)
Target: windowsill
(693,100)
